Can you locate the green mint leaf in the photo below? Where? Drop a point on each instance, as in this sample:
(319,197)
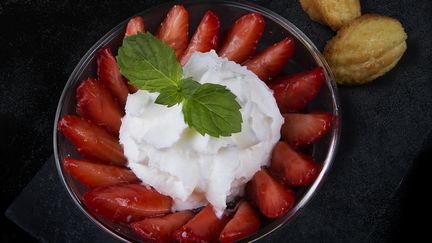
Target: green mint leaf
(169,96)
(172,95)
(151,65)
(188,87)
(148,63)
(213,110)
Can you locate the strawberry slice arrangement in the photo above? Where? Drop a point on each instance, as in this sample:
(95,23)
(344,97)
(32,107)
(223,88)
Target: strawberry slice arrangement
(116,194)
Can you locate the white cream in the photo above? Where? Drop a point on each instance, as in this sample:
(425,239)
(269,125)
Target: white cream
(193,169)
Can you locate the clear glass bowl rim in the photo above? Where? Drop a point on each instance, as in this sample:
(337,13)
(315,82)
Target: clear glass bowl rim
(335,133)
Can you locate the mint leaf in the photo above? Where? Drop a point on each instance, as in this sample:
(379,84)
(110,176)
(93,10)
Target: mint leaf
(151,65)
(148,63)
(212,109)
(188,87)
(169,96)
(172,95)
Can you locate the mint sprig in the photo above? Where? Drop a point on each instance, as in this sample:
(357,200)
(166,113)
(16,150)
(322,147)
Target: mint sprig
(212,109)
(151,65)
(148,63)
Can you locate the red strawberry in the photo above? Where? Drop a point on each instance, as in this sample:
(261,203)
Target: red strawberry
(127,202)
(161,229)
(132,89)
(271,197)
(271,61)
(94,102)
(205,37)
(204,227)
(93,174)
(240,41)
(91,141)
(109,74)
(244,223)
(294,168)
(174,29)
(292,93)
(301,129)
(135,25)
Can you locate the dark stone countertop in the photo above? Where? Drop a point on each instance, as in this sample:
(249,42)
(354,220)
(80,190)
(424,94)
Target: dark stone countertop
(386,131)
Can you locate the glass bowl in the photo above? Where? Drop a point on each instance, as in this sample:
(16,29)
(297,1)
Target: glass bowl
(306,56)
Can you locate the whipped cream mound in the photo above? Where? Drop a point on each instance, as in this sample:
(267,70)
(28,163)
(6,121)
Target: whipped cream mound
(192,169)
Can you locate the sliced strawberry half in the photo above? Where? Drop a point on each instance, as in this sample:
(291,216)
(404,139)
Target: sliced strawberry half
(244,223)
(94,102)
(134,26)
(204,227)
(161,229)
(302,129)
(127,203)
(294,168)
(91,141)
(271,197)
(109,74)
(174,29)
(205,37)
(272,60)
(240,41)
(293,93)
(93,174)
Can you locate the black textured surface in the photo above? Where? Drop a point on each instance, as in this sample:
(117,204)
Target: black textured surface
(385,129)
(48,221)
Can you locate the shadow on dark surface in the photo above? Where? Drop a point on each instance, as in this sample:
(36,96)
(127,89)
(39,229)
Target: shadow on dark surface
(406,217)
(13,233)
(411,220)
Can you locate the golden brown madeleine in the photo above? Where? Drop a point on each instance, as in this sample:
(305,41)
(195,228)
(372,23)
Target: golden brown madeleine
(310,7)
(334,13)
(365,49)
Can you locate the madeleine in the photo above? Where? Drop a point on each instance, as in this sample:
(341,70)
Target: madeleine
(334,13)
(365,49)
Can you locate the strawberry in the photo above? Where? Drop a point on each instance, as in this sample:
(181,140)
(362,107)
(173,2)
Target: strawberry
(271,61)
(301,129)
(294,168)
(205,37)
(271,197)
(132,89)
(204,227)
(93,174)
(135,25)
(109,74)
(292,93)
(244,223)
(161,229)
(94,102)
(174,29)
(126,202)
(91,141)
(240,41)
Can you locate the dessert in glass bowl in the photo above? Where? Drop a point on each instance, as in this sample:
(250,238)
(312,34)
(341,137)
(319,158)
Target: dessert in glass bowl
(201,140)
